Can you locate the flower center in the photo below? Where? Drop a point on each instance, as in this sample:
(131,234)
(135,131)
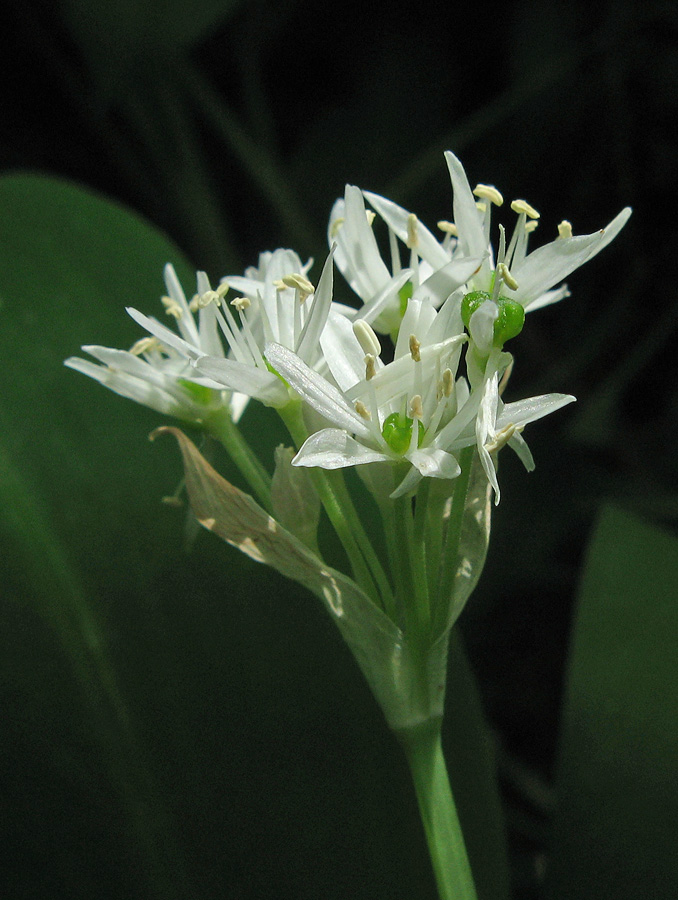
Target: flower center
(397,432)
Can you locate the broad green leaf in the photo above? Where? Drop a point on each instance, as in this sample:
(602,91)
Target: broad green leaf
(617,779)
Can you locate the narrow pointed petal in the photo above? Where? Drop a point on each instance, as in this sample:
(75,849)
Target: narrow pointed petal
(531,409)
(315,390)
(397,218)
(548,265)
(322,300)
(128,386)
(165,335)
(466,218)
(255,382)
(334,448)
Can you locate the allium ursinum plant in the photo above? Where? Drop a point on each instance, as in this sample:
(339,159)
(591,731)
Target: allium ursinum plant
(423,430)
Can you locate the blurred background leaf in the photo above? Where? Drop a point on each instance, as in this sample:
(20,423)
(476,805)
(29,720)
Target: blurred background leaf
(233,133)
(614,830)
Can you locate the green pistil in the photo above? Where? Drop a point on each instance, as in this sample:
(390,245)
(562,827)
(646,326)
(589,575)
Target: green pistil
(510,319)
(397,432)
(509,323)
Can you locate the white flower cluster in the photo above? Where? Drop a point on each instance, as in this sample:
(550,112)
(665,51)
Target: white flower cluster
(281,340)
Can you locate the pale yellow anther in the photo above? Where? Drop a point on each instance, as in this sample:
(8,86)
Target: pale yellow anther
(194,304)
(531,226)
(172,308)
(362,410)
(487,192)
(371,216)
(565,229)
(448,227)
(207,298)
(370,366)
(506,277)
(415,347)
(416,409)
(143,345)
(335,226)
(369,342)
(300,283)
(241,303)
(412,236)
(448,382)
(502,437)
(522,206)
(481,207)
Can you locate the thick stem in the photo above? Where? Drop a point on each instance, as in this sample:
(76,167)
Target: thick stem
(438,812)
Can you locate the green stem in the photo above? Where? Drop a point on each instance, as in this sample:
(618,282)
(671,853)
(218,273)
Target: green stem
(334,496)
(222,427)
(424,753)
(449,558)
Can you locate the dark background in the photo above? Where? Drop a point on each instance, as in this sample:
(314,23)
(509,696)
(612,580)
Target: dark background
(233,128)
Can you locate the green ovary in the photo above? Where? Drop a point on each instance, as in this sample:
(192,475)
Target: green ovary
(510,319)
(397,432)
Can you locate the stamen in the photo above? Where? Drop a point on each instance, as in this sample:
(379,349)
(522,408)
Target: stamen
(371,216)
(367,339)
(565,229)
(412,236)
(506,277)
(370,366)
(241,303)
(502,437)
(481,207)
(194,304)
(487,192)
(531,226)
(448,227)
(522,206)
(363,411)
(416,408)
(415,346)
(448,383)
(172,308)
(299,283)
(143,345)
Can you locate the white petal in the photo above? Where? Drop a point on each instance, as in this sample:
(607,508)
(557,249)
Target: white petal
(447,279)
(531,409)
(165,335)
(251,380)
(434,463)
(129,386)
(343,354)
(551,263)
(334,448)
(315,389)
(466,217)
(307,348)
(397,219)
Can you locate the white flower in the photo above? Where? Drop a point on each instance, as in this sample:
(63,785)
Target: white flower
(433,272)
(413,409)
(281,305)
(156,371)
